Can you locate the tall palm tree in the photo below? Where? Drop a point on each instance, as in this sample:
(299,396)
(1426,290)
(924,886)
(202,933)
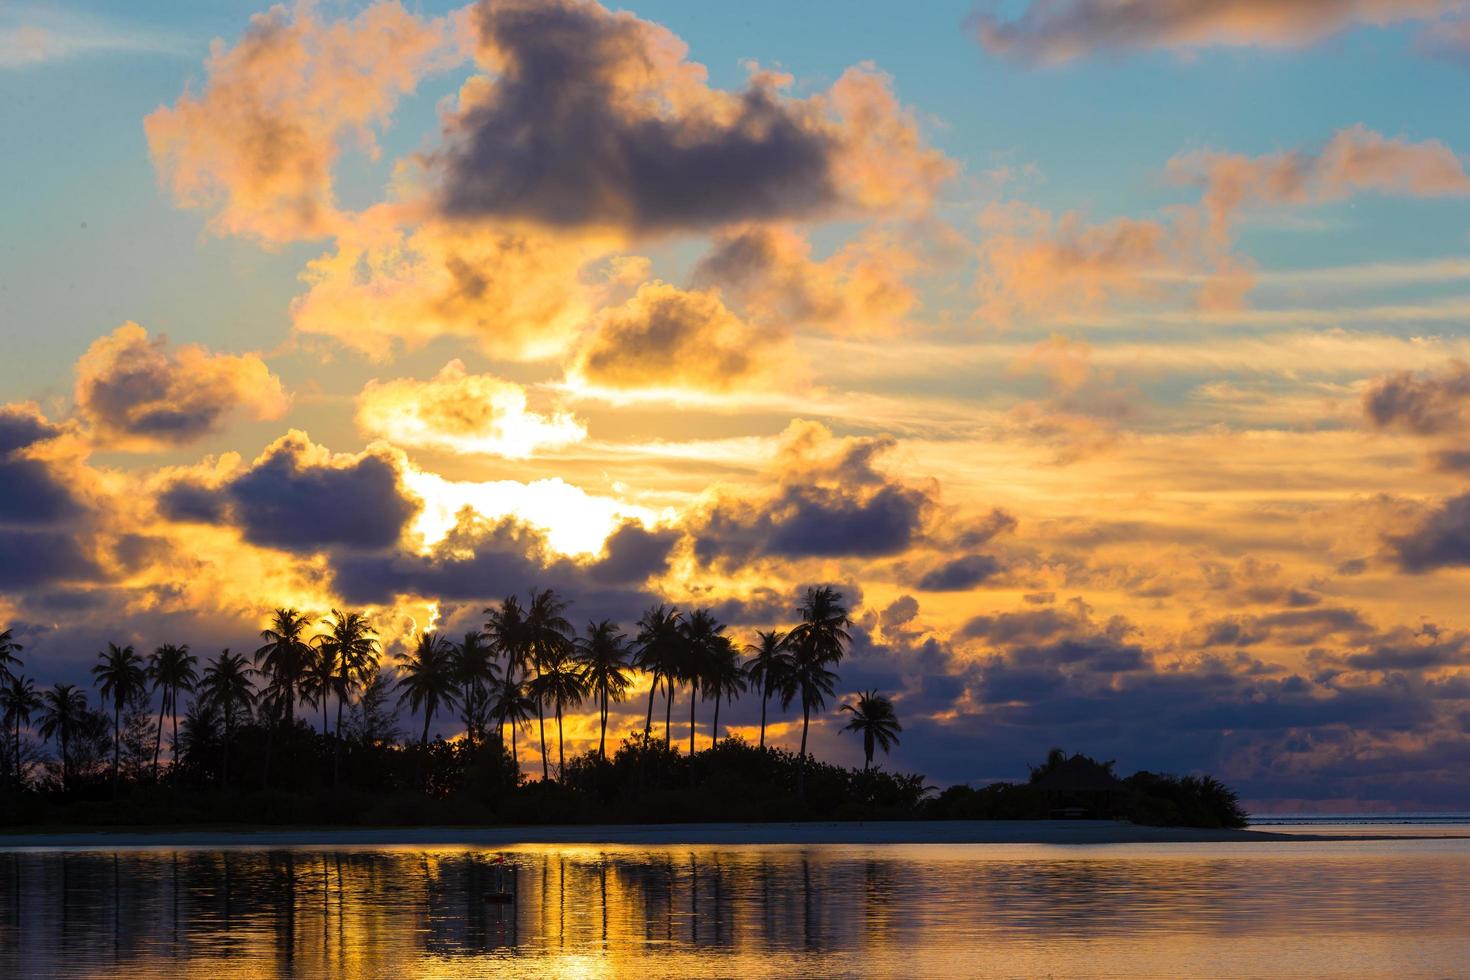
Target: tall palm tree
(353,646)
(18,699)
(873,715)
(512,704)
(768,669)
(284,658)
(478,674)
(172,669)
(62,710)
(505,627)
(426,680)
(724,679)
(702,635)
(560,684)
(604,655)
(822,632)
(225,687)
(123,677)
(548,639)
(320,678)
(8,659)
(660,644)
(812,683)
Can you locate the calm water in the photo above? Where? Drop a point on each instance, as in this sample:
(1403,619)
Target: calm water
(1343,908)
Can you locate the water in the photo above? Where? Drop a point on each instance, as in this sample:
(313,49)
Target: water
(1394,908)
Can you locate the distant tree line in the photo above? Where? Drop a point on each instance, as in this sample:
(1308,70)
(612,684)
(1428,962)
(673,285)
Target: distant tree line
(238,751)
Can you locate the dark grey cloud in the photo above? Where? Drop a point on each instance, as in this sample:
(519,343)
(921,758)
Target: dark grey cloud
(812,521)
(589,122)
(961,574)
(634,553)
(31,492)
(1441,539)
(34,558)
(1423,404)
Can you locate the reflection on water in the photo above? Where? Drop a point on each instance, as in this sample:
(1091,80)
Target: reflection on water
(1337,909)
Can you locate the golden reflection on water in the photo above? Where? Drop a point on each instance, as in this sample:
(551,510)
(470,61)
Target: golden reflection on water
(1396,909)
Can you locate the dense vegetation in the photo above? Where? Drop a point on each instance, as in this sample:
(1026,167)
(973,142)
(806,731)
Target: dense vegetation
(238,752)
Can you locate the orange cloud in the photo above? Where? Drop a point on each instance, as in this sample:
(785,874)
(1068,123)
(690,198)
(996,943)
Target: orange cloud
(668,338)
(257,145)
(1052,31)
(140,394)
(769,271)
(462,413)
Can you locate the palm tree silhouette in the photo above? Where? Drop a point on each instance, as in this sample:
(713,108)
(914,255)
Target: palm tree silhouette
(724,679)
(284,658)
(874,717)
(823,627)
(478,673)
(18,699)
(660,644)
(62,710)
(426,680)
(812,683)
(123,677)
(8,659)
(604,655)
(561,684)
(768,669)
(225,687)
(172,669)
(548,638)
(702,633)
(512,704)
(505,626)
(319,678)
(353,645)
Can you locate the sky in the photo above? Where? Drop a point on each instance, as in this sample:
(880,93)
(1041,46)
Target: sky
(1109,356)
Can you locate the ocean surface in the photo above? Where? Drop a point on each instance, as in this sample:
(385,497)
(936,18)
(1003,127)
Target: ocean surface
(1396,907)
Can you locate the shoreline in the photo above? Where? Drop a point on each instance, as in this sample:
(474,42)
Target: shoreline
(1047,832)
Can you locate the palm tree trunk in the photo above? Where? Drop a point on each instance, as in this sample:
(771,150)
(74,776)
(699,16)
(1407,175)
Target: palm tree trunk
(806,720)
(541,718)
(514,755)
(693,700)
(173,710)
(765,697)
(229,737)
(158,739)
(714,734)
(602,734)
(116,741)
(668,712)
(424,743)
(648,725)
(561,758)
(867,750)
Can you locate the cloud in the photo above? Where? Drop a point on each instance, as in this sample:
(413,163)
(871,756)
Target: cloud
(1441,538)
(669,338)
(1053,31)
(32,36)
(1423,404)
(32,492)
(830,501)
(518,293)
(591,118)
(299,497)
(139,393)
(769,271)
(32,558)
(462,413)
(257,145)
(960,574)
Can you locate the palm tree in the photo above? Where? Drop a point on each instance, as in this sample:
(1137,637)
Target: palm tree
(478,673)
(724,679)
(62,709)
(548,639)
(873,715)
(319,679)
(18,699)
(813,683)
(768,669)
(514,705)
(561,684)
(822,632)
(505,627)
(660,643)
(702,634)
(171,668)
(8,659)
(226,688)
(353,646)
(285,657)
(124,678)
(427,681)
(604,655)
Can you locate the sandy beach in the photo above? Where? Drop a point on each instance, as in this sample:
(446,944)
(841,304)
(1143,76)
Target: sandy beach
(1071,832)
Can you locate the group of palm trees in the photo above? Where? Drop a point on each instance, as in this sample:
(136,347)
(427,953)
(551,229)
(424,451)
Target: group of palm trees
(526,662)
